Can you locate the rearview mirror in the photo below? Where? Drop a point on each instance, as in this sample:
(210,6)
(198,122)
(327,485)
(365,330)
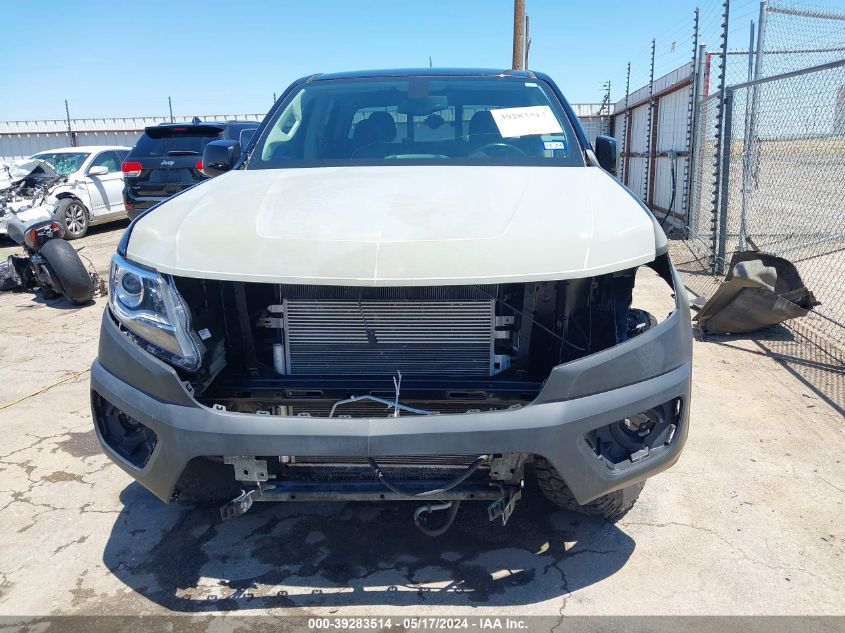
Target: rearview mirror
(99,170)
(607,153)
(219,157)
(425,106)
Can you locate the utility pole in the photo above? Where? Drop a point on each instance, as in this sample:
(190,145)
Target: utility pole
(70,138)
(527,42)
(170,106)
(518,34)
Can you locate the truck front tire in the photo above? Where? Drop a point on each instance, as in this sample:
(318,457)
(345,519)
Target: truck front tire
(611,506)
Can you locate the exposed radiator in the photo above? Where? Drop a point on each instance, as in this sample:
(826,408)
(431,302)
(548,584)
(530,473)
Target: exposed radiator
(383,336)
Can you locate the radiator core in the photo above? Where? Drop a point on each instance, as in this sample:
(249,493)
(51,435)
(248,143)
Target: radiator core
(383,336)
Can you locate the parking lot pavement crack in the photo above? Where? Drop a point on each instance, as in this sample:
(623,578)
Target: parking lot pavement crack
(26,466)
(712,532)
(64,546)
(18,497)
(563,599)
(34,517)
(690,526)
(86,509)
(832,485)
(40,439)
(4,579)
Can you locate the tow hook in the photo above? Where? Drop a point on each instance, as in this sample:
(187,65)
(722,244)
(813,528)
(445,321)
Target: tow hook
(251,471)
(504,507)
(237,506)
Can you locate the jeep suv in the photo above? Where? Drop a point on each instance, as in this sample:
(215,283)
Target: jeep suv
(411,285)
(168,158)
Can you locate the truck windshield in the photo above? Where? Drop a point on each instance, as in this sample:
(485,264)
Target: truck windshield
(418,120)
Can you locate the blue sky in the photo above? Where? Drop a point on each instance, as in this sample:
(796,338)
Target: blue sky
(125,58)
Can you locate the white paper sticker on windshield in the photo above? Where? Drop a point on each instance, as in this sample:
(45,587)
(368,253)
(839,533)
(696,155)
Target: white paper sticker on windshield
(524,121)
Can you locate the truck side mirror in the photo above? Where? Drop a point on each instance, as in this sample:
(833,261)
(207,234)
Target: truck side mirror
(220,156)
(607,153)
(246,136)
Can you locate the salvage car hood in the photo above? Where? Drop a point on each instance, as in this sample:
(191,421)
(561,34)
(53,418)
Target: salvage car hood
(14,202)
(398,225)
(20,169)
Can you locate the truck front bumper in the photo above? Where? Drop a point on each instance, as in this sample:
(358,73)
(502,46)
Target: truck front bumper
(598,390)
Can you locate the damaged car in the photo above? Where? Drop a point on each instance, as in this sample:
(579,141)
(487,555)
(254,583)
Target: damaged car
(85,187)
(23,185)
(410,285)
(48,262)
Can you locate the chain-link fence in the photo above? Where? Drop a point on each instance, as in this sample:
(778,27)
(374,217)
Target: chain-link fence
(799,35)
(784,177)
(769,159)
(792,36)
(701,223)
(732,131)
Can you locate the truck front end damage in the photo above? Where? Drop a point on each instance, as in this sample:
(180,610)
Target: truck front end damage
(434,394)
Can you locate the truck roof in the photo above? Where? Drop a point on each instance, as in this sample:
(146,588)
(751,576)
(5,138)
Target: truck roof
(424,72)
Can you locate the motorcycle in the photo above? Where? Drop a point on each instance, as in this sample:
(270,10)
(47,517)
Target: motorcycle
(50,262)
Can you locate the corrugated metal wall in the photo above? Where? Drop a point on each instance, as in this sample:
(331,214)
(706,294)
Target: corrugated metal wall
(595,118)
(21,139)
(673,117)
(668,151)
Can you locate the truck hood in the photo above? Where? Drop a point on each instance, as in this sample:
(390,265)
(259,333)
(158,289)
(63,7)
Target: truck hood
(398,225)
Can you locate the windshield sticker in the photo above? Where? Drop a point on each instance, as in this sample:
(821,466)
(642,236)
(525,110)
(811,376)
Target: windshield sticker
(554,145)
(524,121)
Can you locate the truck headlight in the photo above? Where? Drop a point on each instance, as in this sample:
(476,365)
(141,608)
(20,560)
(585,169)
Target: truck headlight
(148,305)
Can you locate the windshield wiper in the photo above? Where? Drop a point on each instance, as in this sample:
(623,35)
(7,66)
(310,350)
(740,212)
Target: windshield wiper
(182,152)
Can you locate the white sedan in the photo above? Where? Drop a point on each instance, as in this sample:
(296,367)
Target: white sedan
(93,191)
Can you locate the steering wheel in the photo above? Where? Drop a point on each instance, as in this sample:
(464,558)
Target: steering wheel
(498,148)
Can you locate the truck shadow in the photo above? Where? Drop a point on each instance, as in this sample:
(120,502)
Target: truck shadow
(342,554)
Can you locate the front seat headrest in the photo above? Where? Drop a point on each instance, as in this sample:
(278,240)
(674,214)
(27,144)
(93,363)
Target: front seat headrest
(383,125)
(482,124)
